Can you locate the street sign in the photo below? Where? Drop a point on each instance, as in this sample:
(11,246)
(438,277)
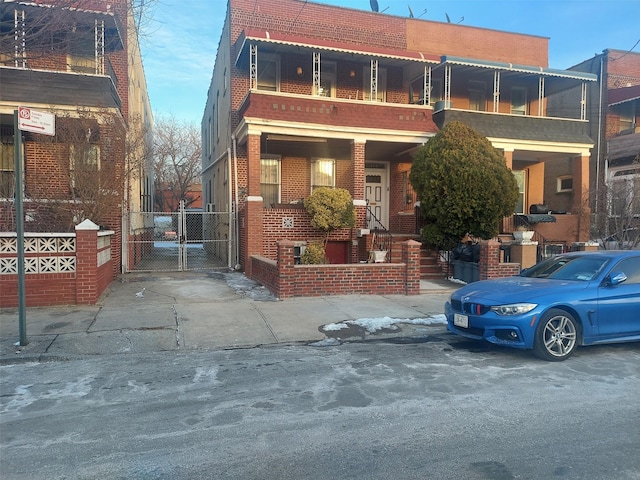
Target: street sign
(36,121)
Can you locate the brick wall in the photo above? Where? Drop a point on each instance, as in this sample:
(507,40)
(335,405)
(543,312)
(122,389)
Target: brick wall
(60,269)
(490,265)
(287,280)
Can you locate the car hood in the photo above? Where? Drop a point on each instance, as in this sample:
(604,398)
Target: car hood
(517,289)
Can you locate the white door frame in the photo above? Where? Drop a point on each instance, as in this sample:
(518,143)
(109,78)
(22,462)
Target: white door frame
(377,193)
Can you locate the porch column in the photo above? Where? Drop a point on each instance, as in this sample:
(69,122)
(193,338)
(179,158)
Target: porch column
(580,205)
(253,165)
(357,168)
(508,158)
(358,185)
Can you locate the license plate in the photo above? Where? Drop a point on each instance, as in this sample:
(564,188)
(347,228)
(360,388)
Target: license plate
(460,320)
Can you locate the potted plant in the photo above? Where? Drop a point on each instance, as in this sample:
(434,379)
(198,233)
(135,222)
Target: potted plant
(522,234)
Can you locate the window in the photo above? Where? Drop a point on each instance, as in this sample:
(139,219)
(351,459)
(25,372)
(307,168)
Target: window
(627,119)
(327,80)
(521,180)
(7,162)
(323,173)
(382,85)
(268,72)
(270,179)
(436,91)
(624,196)
(631,268)
(565,184)
(416,91)
(408,194)
(82,52)
(519,101)
(477,96)
(84,162)
(217,118)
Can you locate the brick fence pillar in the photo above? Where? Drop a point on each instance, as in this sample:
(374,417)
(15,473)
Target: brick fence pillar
(286,269)
(489,264)
(411,259)
(87,263)
(253,231)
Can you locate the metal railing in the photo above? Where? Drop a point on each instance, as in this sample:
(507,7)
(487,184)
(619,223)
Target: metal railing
(380,236)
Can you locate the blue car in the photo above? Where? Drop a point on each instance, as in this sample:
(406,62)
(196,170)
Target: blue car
(578,298)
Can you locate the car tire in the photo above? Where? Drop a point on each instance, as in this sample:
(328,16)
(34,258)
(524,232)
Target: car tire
(557,336)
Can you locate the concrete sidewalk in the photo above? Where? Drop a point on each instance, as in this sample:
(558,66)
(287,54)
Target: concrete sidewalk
(142,313)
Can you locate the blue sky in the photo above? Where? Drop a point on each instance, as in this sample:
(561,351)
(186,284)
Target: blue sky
(179,50)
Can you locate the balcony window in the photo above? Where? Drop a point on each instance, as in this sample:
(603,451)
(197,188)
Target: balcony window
(381,95)
(627,119)
(270,179)
(416,91)
(268,72)
(518,101)
(477,96)
(323,173)
(82,52)
(327,80)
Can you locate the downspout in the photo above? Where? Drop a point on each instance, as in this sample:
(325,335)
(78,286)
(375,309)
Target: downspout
(235,199)
(599,139)
(230,264)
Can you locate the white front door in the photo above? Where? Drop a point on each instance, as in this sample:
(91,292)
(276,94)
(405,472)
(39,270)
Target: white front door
(377,194)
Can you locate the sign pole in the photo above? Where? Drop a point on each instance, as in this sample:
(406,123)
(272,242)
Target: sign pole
(19,194)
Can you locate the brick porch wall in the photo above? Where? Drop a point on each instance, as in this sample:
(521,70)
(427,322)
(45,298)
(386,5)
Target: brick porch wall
(287,280)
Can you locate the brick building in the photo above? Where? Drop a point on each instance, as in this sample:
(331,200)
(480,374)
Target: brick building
(81,62)
(614,124)
(305,95)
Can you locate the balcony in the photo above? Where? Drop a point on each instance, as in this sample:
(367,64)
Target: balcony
(31,87)
(518,127)
(338,113)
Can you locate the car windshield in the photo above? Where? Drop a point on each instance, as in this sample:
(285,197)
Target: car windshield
(582,268)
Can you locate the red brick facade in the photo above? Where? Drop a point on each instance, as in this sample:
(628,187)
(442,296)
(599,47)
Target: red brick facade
(318,102)
(92,113)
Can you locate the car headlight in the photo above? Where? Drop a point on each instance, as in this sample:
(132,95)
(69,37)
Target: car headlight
(514,309)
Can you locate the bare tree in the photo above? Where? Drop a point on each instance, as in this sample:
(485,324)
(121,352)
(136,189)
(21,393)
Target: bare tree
(94,160)
(177,166)
(620,225)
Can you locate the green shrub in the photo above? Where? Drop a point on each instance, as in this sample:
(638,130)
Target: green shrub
(330,209)
(463,184)
(314,254)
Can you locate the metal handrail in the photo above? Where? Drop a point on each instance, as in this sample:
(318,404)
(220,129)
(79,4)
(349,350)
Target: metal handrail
(381,237)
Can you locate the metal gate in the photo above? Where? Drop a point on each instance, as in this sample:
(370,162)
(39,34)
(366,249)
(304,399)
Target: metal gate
(189,239)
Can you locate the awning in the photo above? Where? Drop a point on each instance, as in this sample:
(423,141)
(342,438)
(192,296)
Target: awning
(294,41)
(622,95)
(512,67)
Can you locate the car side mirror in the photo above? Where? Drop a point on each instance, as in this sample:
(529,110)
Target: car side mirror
(615,278)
